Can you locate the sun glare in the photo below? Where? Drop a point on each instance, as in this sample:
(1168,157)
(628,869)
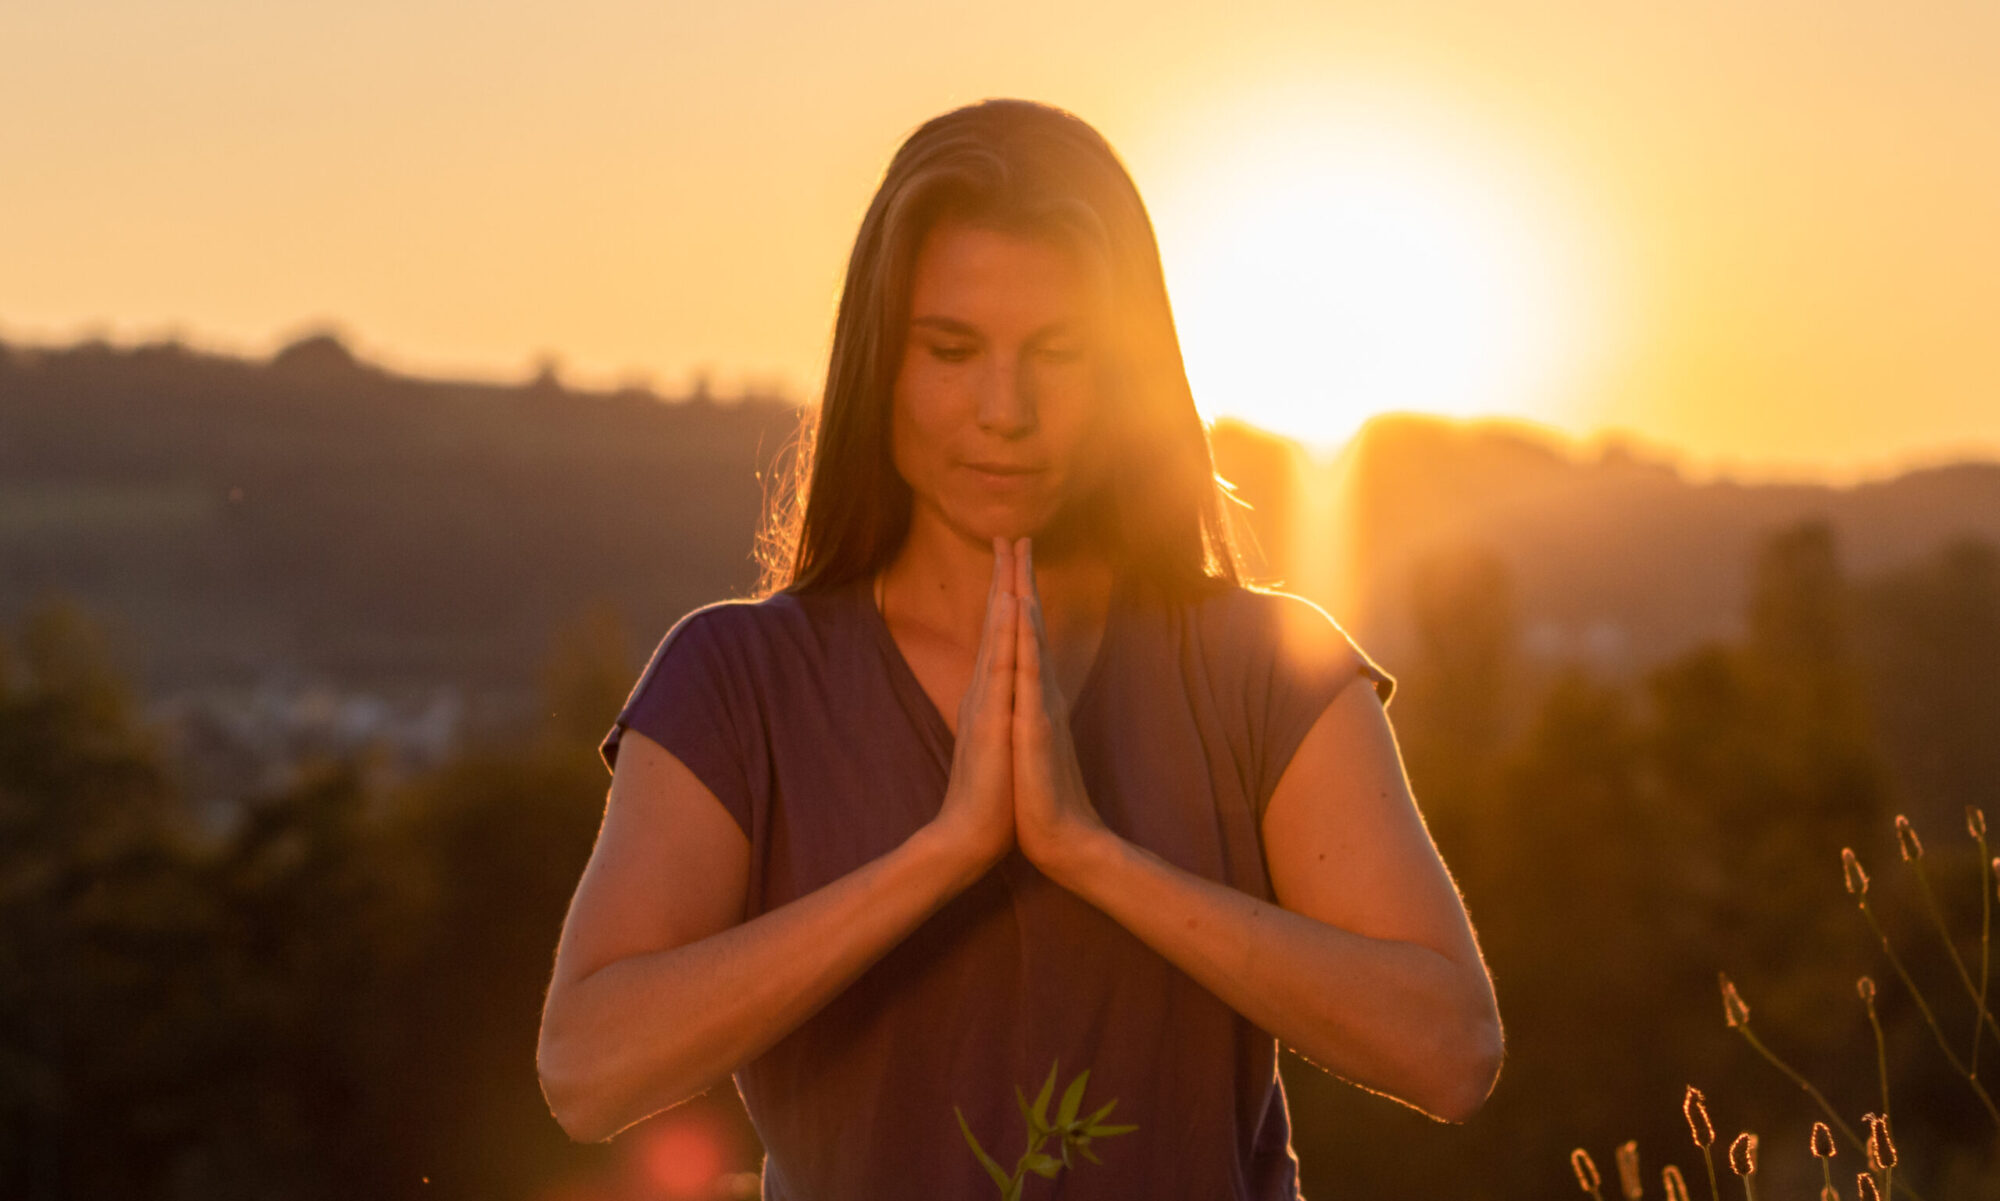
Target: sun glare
(1343,267)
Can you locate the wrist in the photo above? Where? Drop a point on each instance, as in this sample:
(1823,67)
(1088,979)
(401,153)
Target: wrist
(1083,858)
(941,845)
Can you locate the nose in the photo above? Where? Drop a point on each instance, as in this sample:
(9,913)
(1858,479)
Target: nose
(1006,400)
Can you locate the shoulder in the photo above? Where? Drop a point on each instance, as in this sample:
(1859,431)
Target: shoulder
(1280,633)
(744,624)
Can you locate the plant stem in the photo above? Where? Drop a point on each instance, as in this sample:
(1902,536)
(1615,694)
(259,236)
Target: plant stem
(1708,1161)
(1832,1115)
(1985,943)
(1930,1018)
(1819,1098)
(1944,934)
(1881,1057)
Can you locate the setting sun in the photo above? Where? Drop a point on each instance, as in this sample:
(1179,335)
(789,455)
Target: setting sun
(1333,269)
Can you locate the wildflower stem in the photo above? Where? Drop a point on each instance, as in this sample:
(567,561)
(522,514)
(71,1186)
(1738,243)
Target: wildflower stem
(1930,1018)
(1951,949)
(1985,944)
(1881,1057)
(1819,1098)
(1708,1161)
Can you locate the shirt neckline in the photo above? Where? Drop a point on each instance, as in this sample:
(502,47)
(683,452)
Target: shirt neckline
(904,678)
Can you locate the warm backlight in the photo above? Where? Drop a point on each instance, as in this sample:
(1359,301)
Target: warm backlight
(1337,269)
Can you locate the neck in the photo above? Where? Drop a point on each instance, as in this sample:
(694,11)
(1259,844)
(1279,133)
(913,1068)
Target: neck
(939,580)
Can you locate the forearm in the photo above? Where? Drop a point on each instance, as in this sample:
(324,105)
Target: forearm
(1395,1017)
(647,1032)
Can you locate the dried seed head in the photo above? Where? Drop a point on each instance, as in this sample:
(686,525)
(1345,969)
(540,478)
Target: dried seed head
(1864,1187)
(1628,1170)
(1906,838)
(1857,879)
(1734,1011)
(1881,1147)
(1822,1141)
(1743,1154)
(1586,1171)
(1866,987)
(1670,1179)
(1975,822)
(1695,1109)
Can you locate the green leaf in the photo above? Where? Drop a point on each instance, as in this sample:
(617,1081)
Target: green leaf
(1097,1117)
(1042,1098)
(1072,1097)
(1085,1151)
(1007,1183)
(1035,1128)
(1101,1131)
(1045,1166)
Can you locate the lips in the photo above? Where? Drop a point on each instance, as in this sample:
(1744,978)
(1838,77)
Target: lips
(1003,468)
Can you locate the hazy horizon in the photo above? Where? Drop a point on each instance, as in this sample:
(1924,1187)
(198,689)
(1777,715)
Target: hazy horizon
(1760,236)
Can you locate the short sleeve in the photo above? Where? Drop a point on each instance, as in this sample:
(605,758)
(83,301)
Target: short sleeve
(696,700)
(1306,662)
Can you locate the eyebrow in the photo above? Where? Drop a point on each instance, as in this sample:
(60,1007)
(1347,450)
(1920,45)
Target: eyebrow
(951,325)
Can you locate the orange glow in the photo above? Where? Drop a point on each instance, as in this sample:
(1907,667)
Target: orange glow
(682,1156)
(1767,244)
(1340,261)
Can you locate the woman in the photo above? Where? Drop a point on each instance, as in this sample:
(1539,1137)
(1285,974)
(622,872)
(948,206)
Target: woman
(1161,829)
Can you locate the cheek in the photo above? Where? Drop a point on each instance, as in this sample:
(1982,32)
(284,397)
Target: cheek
(918,418)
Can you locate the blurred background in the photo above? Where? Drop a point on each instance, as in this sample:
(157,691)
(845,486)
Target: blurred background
(378,384)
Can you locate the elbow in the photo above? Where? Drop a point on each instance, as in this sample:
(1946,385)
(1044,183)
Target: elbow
(567,1093)
(1473,1063)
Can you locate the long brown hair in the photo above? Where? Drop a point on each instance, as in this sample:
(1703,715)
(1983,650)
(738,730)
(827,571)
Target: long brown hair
(841,510)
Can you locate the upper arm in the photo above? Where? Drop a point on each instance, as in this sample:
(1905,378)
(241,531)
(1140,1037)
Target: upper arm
(1344,841)
(671,866)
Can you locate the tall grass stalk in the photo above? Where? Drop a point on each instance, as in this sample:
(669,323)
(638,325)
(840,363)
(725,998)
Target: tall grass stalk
(1913,854)
(1824,1151)
(1975,825)
(1628,1170)
(1743,1162)
(1737,1012)
(1675,1187)
(1585,1168)
(1853,867)
(1881,1152)
(1694,1107)
(1865,987)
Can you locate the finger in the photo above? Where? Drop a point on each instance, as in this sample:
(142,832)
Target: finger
(981,657)
(1000,684)
(1028,659)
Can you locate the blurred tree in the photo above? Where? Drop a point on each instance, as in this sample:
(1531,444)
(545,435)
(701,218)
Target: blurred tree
(94,902)
(1451,712)
(1929,641)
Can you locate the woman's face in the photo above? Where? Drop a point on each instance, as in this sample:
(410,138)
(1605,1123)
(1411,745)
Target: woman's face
(996,419)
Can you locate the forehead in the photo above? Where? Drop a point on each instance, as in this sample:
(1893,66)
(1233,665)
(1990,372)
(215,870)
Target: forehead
(984,276)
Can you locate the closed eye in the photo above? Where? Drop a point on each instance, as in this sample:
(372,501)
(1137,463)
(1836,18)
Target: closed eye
(951,354)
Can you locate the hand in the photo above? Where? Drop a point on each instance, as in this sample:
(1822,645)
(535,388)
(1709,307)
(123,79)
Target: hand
(1053,815)
(978,810)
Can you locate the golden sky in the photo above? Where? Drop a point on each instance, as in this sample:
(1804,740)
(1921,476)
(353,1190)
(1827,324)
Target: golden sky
(1766,235)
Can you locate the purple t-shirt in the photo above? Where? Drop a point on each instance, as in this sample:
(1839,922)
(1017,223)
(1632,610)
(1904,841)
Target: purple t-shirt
(801,715)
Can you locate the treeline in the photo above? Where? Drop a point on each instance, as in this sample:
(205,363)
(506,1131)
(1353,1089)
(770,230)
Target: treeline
(1618,846)
(338,995)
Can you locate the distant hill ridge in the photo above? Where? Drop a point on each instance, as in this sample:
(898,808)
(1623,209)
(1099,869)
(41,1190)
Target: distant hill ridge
(320,514)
